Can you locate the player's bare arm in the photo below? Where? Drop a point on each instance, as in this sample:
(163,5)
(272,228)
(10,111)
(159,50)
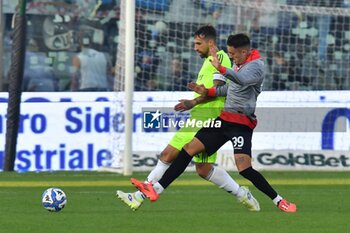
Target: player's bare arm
(200,89)
(185,104)
(76,75)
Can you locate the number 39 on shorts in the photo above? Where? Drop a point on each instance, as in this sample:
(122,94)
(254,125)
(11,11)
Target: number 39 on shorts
(237,142)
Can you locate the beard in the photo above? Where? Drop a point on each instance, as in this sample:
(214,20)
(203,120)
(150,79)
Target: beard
(203,55)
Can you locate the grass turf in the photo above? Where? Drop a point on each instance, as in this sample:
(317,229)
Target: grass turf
(189,205)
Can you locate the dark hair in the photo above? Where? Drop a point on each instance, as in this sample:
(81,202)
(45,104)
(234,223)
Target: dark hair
(207,31)
(238,40)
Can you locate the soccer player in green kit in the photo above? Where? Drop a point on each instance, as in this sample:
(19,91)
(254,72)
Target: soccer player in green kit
(202,109)
(236,122)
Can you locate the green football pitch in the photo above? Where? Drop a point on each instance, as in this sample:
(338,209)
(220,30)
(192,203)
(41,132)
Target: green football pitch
(189,205)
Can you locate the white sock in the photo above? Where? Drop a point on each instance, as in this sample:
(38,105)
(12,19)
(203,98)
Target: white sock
(221,178)
(140,196)
(158,188)
(277,199)
(240,193)
(157,172)
(153,177)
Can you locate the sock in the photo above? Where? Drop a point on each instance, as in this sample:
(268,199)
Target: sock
(153,177)
(177,167)
(277,199)
(259,182)
(221,178)
(140,196)
(240,193)
(157,171)
(158,188)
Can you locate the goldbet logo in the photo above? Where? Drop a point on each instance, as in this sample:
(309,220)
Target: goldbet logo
(305,159)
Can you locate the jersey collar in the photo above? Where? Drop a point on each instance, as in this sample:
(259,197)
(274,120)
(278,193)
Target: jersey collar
(254,55)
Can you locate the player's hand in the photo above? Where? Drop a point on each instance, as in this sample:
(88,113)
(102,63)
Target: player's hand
(215,60)
(200,89)
(185,105)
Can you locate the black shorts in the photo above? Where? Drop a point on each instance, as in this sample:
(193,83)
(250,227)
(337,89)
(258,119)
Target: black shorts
(214,138)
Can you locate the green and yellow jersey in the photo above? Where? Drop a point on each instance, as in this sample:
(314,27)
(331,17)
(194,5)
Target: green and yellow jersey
(206,76)
(203,111)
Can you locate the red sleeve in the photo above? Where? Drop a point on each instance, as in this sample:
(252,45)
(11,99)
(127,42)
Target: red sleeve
(211,91)
(222,70)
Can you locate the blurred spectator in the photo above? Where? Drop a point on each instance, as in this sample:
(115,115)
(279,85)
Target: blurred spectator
(296,66)
(159,34)
(106,5)
(90,68)
(154,5)
(146,66)
(290,20)
(340,79)
(210,8)
(324,23)
(6,57)
(346,3)
(179,76)
(38,72)
(85,7)
(279,71)
(143,36)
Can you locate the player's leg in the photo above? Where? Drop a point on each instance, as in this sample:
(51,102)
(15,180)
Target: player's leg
(207,139)
(177,167)
(170,152)
(220,177)
(135,199)
(244,166)
(167,156)
(242,152)
(223,180)
(214,174)
(180,163)
(245,169)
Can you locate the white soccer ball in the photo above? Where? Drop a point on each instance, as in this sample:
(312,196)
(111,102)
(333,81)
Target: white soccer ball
(54,199)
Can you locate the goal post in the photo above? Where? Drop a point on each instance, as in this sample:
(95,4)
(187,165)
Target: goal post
(121,140)
(129,82)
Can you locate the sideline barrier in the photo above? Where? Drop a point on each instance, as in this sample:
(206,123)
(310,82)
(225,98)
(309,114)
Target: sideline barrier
(72,131)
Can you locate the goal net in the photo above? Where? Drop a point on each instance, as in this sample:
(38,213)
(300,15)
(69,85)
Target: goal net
(305,45)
